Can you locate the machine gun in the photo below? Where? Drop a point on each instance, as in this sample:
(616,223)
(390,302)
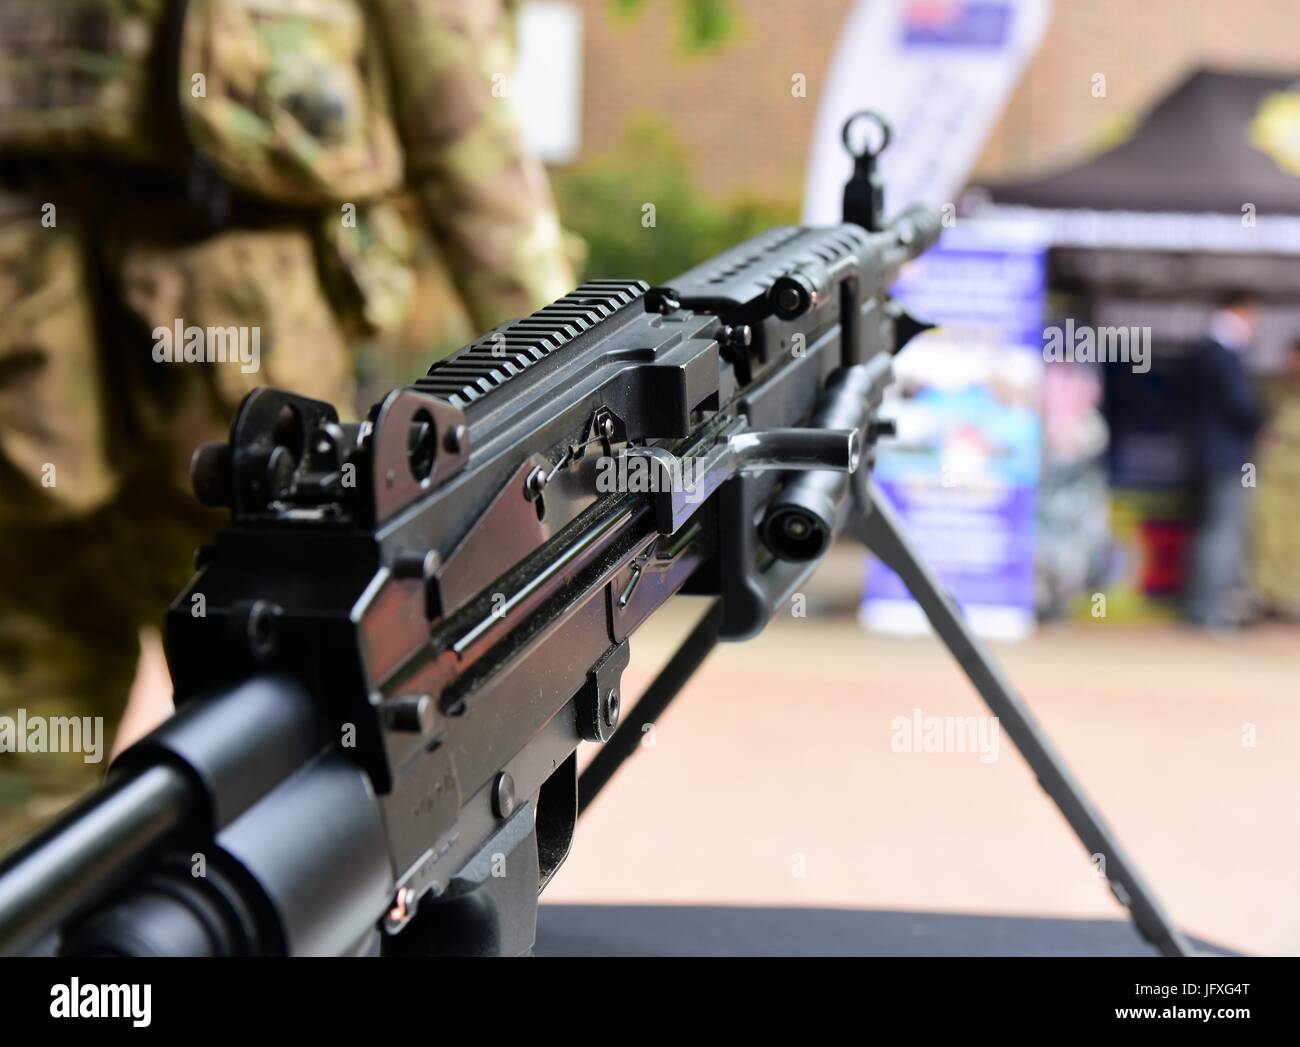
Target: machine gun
(386,663)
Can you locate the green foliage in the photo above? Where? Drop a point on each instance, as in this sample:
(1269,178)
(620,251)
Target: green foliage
(701,25)
(604,201)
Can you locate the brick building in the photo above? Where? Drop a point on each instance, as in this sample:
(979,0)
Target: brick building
(730,106)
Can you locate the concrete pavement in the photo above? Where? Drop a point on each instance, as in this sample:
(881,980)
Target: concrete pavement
(775,779)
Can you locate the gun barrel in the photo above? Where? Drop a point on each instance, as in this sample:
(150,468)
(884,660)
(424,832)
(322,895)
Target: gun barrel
(92,848)
(200,770)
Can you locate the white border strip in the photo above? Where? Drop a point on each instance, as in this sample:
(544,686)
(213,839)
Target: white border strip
(1153,230)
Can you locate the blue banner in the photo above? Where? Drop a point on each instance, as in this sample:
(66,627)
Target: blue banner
(963,470)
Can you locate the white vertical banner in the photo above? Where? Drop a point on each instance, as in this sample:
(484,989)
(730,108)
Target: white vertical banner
(940,71)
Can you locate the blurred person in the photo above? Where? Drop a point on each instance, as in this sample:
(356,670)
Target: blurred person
(1073,512)
(197,198)
(1227,414)
(1276,554)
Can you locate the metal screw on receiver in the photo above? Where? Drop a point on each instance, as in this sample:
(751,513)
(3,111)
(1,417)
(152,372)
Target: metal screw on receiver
(454,439)
(503,795)
(739,337)
(403,908)
(416,563)
(536,483)
(410,713)
(259,629)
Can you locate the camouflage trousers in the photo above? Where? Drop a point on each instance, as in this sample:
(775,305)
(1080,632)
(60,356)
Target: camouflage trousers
(99,415)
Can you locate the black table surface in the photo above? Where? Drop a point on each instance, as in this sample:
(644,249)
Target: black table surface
(664,930)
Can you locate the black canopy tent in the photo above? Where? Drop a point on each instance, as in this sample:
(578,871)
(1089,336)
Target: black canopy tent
(1210,145)
(1203,196)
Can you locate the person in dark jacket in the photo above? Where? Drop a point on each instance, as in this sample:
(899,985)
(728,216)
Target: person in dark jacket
(1228,414)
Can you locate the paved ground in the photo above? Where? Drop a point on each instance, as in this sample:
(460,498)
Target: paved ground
(772,781)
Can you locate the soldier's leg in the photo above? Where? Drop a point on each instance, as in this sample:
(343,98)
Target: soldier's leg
(77,582)
(65,648)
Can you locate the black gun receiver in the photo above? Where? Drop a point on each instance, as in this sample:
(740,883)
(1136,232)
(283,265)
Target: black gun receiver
(386,663)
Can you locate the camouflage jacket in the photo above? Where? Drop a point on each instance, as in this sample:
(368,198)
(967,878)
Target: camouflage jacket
(302,104)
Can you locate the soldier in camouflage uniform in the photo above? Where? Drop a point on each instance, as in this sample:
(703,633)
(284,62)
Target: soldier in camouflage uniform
(221,164)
